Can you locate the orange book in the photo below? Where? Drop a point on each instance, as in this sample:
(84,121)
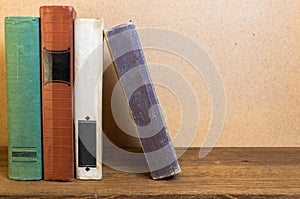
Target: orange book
(57,91)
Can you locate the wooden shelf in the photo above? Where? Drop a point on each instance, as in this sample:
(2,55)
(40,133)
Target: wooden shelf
(224,173)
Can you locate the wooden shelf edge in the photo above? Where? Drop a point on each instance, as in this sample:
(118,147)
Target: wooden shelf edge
(224,174)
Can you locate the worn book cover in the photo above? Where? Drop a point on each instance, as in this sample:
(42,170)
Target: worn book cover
(57,91)
(88,97)
(135,80)
(22,45)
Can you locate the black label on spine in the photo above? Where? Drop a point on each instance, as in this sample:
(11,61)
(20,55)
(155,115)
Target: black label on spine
(56,66)
(87,143)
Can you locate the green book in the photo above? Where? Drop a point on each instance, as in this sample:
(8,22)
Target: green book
(22,45)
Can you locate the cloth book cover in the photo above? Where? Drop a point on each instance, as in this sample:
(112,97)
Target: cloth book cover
(135,80)
(22,45)
(57,91)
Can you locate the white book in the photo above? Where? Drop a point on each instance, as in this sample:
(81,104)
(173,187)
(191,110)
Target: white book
(88,34)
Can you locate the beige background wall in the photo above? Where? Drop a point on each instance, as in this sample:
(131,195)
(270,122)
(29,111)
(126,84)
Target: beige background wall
(255,44)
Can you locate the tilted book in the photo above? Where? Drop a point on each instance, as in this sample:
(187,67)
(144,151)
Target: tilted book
(88,97)
(57,91)
(22,44)
(135,80)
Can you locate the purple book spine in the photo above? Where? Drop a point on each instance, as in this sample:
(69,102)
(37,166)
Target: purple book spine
(135,80)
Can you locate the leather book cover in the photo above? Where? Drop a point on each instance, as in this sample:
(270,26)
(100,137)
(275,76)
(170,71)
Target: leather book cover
(88,35)
(57,91)
(22,44)
(135,80)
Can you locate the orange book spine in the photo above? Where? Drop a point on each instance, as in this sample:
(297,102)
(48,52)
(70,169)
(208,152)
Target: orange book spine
(57,91)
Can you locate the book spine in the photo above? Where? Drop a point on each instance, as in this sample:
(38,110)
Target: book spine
(88,97)
(57,91)
(132,70)
(22,40)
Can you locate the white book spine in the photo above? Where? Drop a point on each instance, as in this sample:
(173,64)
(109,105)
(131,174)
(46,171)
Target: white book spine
(88,34)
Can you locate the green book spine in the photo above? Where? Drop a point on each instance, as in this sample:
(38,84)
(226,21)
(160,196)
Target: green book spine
(22,45)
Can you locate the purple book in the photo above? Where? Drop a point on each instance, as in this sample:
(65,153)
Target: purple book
(135,80)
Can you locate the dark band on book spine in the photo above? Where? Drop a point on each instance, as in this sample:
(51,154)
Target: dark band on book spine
(87,143)
(56,66)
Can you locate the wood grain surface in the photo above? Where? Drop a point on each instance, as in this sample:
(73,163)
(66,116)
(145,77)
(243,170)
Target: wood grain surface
(224,173)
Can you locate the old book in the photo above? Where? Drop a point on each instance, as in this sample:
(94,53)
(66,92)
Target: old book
(135,80)
(88,97)
(57,91)
(22,44)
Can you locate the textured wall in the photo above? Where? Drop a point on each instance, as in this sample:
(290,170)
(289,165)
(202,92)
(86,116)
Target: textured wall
(255,44)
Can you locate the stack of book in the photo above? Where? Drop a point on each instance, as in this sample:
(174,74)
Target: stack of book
(54,66)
